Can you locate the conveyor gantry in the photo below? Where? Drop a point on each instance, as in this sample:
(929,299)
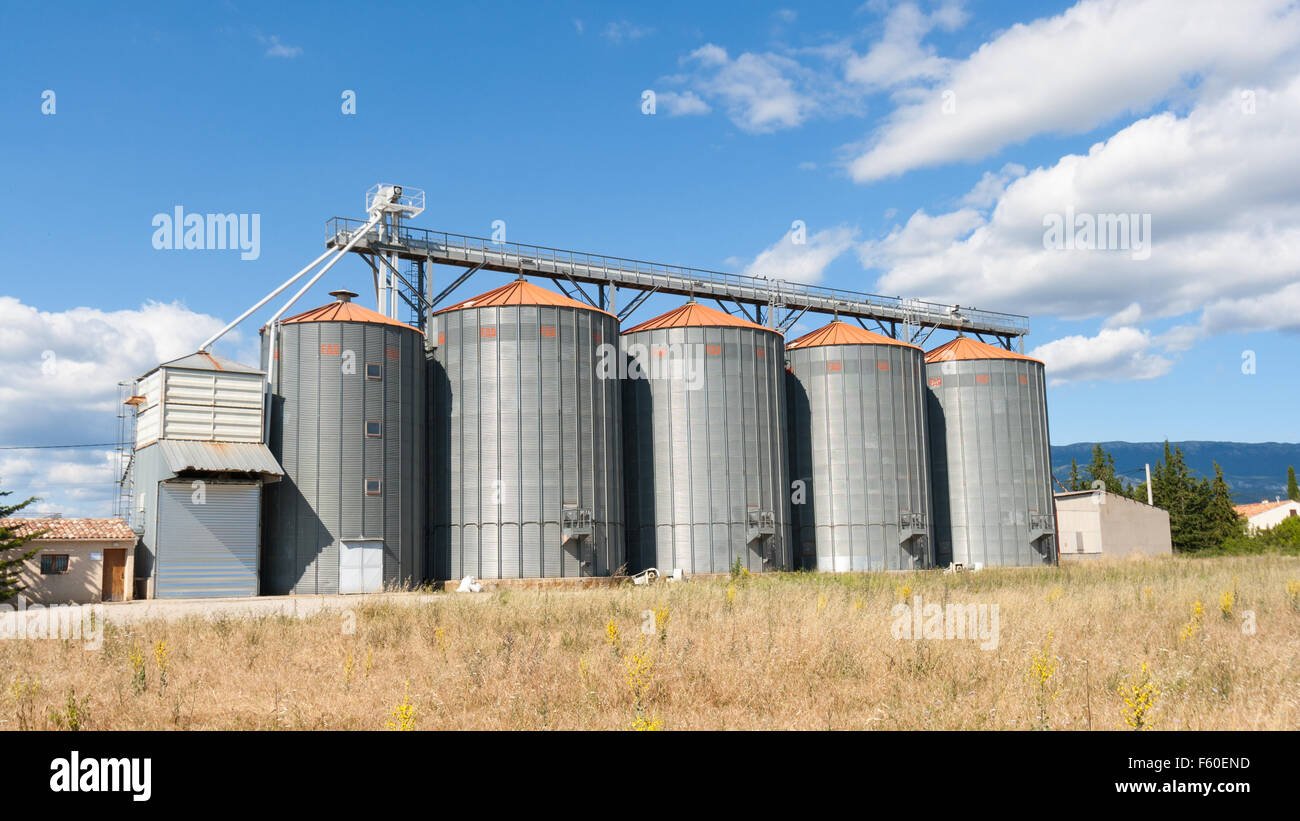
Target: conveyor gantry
(908,319)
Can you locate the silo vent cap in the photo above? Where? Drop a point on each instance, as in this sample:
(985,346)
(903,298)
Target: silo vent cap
(343,296)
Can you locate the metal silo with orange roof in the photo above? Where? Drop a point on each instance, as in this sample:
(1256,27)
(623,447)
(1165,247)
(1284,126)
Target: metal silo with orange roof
(527,479)
(348,427)
(858,446)
(989,456)
(705,444)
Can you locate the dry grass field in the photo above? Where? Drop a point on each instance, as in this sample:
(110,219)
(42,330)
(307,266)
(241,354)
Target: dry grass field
(789,651)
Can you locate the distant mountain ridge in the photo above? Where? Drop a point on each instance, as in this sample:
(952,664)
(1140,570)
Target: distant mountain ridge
(1254,470)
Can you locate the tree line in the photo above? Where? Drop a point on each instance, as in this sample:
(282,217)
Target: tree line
(1201,514)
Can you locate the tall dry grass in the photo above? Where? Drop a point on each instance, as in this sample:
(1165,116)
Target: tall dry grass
(791,651)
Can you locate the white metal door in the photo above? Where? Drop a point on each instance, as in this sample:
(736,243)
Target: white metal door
(361,566)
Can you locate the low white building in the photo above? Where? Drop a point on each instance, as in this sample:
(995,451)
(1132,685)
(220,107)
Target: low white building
(1095,524)
(1264,515)
(79,561)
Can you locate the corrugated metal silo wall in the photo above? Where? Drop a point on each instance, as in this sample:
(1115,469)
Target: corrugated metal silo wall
(322,402)
(990,462)
(858,442)
(698,460)
(522,425)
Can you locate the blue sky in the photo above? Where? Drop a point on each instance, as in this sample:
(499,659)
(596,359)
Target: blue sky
(765,114)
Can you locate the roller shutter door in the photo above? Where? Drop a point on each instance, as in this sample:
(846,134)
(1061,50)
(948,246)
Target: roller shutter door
(207,544)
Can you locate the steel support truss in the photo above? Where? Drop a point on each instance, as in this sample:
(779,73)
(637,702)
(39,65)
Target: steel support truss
(772,302)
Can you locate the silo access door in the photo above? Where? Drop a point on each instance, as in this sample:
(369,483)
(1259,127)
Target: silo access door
(361,566)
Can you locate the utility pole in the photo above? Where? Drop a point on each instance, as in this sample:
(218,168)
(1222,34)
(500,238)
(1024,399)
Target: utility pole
(1150,497)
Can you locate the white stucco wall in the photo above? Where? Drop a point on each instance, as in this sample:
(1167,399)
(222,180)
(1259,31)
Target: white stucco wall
(1273,517)
(1093,525)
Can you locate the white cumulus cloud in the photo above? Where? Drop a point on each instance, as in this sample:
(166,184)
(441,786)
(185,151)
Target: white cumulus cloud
(802,262)
(899,56)
(1114,354)
(682,104)
(1064,74)
(274,48)
(1217,187)
(762,92)
(59,387)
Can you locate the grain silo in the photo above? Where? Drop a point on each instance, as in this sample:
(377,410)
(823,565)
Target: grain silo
(858,446)
(705,443)
(525,431)
(989,456)
(348,426)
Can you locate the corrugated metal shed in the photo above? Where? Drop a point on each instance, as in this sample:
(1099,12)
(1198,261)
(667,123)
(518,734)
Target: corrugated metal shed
(199,397)
(181,455)
(199,415)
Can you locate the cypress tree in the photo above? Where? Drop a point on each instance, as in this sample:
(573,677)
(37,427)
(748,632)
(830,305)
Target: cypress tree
(1222,521)
(12,555)
(1292,489)
(1074,481)
(1102,469)
(1177,491)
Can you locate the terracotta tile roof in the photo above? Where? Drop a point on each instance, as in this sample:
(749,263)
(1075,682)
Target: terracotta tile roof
(1259,507)
(343,311)
(963,348)
(694,315)
(842,333)
(72,530)
(520,292)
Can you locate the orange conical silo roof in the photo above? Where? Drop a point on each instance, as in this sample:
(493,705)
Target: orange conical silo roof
(963,348)
(842,333)
(520,292)
(695,315)
(343,309)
